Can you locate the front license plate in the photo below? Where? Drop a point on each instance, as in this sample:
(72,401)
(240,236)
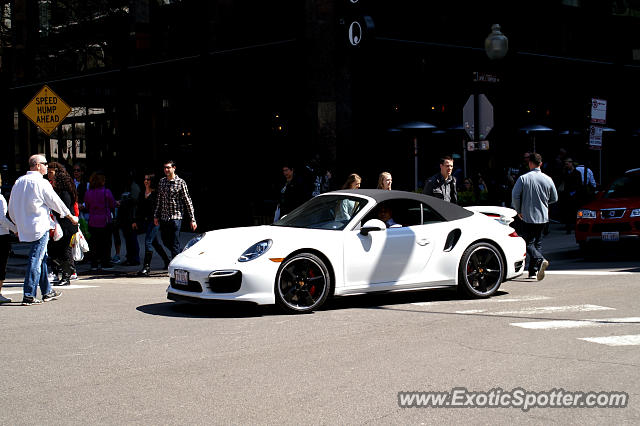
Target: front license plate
(182,277)
(610,236)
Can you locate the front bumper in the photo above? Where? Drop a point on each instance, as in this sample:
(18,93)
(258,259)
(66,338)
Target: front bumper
(591,230)
(253,283)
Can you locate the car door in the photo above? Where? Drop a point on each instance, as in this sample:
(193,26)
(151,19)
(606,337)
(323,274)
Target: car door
(391,258)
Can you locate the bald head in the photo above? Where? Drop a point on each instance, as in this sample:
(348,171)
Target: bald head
(38,162)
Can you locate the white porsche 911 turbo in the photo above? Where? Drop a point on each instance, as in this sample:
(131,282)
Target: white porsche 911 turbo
(349,242)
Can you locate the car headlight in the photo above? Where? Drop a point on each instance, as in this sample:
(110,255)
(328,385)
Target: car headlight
(192,242)
(586,214)
(255,251)
(635,212)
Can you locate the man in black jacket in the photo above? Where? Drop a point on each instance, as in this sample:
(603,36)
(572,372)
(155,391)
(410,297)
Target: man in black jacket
(443,185)
(294,192)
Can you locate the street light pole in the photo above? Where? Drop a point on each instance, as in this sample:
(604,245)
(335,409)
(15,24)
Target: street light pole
(415,162)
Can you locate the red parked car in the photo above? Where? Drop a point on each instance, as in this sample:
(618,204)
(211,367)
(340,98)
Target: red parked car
(614,216)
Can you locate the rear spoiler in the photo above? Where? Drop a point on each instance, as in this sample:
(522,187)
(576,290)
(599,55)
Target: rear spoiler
(503,215)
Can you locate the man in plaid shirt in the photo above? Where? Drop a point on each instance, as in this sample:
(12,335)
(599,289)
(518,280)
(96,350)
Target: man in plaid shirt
(173,199)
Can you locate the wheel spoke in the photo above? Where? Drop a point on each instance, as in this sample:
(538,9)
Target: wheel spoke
(474,261)
(310,300)
(291,292)
(291,274)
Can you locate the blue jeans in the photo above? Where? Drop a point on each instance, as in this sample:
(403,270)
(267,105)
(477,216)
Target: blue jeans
(37,271)
(170,234)
(151,236)
(532,234)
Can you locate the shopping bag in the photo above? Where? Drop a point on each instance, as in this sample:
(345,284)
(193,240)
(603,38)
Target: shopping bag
(76,251)
(56,232)
(82,241)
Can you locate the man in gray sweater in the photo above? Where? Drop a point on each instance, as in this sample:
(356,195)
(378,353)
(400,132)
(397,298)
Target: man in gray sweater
(531,196)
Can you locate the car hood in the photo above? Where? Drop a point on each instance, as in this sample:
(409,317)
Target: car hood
(611,203)
(228,244)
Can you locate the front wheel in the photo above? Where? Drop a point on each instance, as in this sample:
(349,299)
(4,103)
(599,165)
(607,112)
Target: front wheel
(303,284)
(481,270)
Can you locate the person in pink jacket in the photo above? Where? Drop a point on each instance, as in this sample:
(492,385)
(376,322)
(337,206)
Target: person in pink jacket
(100,204)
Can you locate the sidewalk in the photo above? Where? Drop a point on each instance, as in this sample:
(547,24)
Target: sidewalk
(559,245)
(17,263)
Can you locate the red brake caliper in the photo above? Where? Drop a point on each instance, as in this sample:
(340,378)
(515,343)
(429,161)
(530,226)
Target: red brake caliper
(312,290)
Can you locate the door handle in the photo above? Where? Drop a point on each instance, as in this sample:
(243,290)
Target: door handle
(423,242)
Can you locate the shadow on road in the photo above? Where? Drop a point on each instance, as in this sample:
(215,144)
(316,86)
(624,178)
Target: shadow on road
(249,310)
(378,300)
(206,310)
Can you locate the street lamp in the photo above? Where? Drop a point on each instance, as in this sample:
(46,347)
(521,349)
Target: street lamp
(496,44)
(532,129)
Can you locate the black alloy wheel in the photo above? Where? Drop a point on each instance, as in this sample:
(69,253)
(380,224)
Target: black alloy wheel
(303,283)
(481,270)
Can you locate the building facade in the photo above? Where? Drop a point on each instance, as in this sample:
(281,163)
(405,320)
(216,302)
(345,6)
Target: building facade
(233,91)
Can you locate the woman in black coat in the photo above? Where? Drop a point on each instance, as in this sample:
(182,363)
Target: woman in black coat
(144,221)
(60,251)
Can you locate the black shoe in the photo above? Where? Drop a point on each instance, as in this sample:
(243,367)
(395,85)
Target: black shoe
(53,295)
(28,301)
(145,271)
(63,282)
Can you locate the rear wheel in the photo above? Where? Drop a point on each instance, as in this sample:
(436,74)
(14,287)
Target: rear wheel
(481,270)
(303,283)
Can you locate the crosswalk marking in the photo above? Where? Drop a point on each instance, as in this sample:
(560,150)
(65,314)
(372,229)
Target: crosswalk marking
(66,287)
(627,340)
(554,325)
(541,310)
(483,301)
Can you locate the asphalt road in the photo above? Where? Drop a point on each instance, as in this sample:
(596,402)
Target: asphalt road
(114,350)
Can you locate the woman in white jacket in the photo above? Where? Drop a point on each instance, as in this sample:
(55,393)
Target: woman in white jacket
(5,226)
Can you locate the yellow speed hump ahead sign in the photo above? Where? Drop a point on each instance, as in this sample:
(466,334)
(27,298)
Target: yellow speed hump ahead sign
(46,110)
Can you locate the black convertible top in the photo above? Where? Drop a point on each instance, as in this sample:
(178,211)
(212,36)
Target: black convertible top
(447,210)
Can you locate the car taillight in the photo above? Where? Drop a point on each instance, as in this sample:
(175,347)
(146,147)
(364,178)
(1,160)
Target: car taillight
(514,234)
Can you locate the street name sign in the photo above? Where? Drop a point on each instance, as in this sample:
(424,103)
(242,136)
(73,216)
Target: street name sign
(46,110)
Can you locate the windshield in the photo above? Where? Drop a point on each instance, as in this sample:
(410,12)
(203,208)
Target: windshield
(626,186)
(324,212)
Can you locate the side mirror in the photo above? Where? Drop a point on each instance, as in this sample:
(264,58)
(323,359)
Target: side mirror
(373,225)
